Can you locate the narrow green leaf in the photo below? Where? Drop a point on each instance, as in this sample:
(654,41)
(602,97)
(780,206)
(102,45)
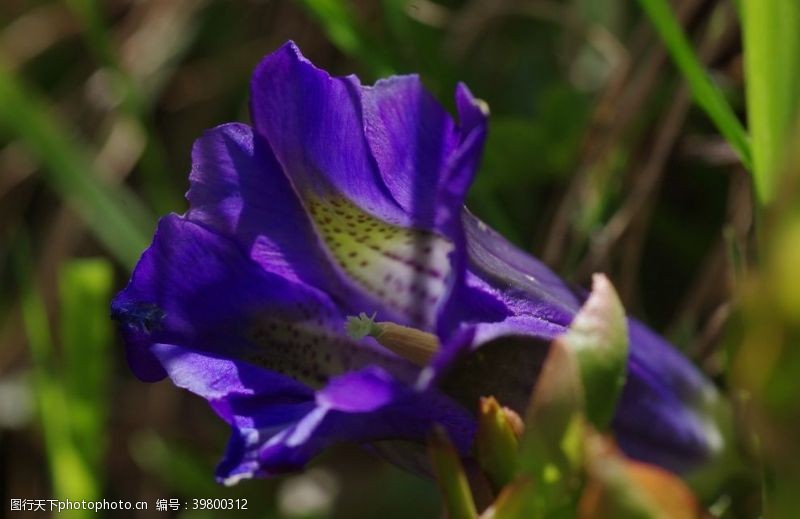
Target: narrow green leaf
(496,443)
(450,475)
(599,337)
(705,92)
(772,79)
(86,335)
(72,476)
(114,214)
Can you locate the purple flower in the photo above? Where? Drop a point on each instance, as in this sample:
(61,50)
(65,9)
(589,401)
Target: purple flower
(345,199)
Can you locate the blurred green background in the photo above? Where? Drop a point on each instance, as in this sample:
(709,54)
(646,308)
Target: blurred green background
(597,160)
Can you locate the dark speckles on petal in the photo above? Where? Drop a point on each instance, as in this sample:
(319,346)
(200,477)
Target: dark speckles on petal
(305,343)
(385,259)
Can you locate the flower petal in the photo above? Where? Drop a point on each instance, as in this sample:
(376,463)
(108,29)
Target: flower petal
(256,403)
(503,292)
(656,355)
(389,411)
(313,123)
(203,293)
(279,426)
(239,190)
(426,161)
(529,285)
(653,424)
(382,171)
(411,137)
(661,416)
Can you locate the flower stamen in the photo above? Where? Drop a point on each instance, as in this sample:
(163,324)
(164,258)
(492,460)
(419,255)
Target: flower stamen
(412,344)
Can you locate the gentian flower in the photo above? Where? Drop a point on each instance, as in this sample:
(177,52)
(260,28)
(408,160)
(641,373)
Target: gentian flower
(342,200)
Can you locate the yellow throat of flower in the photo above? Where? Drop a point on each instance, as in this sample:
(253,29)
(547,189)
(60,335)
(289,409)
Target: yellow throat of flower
(405,269)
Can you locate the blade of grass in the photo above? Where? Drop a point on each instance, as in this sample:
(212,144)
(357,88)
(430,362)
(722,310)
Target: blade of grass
(85,289)
(114,214)
(706,94)
(772,72)
(72,478)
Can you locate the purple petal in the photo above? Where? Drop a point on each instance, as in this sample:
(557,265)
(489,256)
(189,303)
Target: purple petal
(654,424)
(279,425)
(256,403)
(383,172)
(528,285)
(216,378)
(661,415)
(655,355)
(202,292)
(411,137)
(504,292)
(391,411)
(314,125)
(239,190)
(426,161)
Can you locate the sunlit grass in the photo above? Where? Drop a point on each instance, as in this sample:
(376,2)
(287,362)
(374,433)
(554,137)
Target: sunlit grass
(771,31)
(706,94)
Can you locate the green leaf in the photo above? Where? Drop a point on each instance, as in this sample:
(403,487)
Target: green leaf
(72,474)
(582,376)
(86,334)
(599,338)
(496,442)
(705,92)
(551,447)
(450,475)
(772,79)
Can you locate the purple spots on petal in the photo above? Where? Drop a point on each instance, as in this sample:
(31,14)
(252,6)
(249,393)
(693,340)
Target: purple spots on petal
(384,259)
